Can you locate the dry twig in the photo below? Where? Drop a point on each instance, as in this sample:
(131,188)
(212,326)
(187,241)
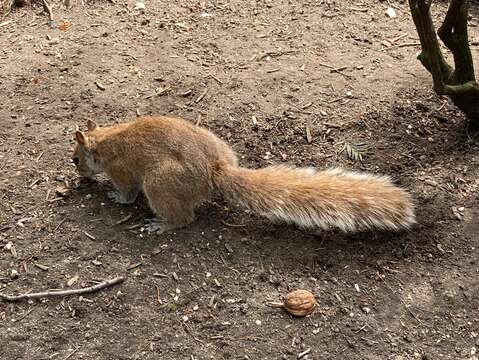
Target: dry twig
(52,293)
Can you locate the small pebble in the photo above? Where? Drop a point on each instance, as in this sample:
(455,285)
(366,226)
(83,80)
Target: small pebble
(54,41)
(14,274)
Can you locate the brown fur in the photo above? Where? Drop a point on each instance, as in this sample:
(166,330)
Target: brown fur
(178,165)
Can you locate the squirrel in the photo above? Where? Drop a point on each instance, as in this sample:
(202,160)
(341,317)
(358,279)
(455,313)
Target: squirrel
(178,165)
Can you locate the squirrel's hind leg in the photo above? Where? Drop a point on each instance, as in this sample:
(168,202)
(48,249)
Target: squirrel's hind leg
(172,196)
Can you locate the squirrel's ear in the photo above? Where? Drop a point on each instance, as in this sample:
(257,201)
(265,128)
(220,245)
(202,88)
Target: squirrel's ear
(91,125)
(80,138)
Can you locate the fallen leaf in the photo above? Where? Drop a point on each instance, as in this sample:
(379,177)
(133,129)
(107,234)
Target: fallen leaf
(64,25)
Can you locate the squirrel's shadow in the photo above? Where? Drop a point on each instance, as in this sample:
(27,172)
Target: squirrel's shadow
(225,231)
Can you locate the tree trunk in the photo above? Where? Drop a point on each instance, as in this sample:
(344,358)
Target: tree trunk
(459,83)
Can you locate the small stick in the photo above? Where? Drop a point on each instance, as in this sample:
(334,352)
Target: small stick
(304,353)
(125,219)
(358,9)
(48,9)
(326,65)
(6,23)
(158,298)
(59,224)
(134,226)
(201,96)
(51,293)
(24,315)
(215,78)
(336,70)
(100,86)
(275,304)
(39,156)
(394,40)
(134,266)
(309,138)
(198,120)
(91,237)
(337,99)
(41,267)
(9,10)
(34,183)
(402,45)
(332,125)
(71,354)
(232,225)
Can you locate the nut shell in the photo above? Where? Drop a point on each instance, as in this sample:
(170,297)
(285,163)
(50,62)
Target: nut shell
(299,303)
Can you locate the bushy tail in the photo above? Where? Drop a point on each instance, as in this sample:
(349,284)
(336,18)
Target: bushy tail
(318,199)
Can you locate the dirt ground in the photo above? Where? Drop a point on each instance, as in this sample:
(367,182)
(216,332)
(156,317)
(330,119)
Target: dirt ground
(264,76)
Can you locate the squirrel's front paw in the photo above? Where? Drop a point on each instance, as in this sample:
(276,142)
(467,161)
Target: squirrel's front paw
(117,197)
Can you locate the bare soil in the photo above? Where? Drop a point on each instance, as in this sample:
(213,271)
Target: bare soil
(200,293)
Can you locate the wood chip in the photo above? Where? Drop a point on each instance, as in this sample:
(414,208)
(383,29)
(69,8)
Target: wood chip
(309,138)
(62,191)
(100,86)
(72,280)
(228,248)
(134,266)
(160,275)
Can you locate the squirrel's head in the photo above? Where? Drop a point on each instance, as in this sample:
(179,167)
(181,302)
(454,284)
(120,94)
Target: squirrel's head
(84,156)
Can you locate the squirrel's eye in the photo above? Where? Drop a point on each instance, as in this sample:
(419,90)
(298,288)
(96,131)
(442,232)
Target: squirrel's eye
(76,161)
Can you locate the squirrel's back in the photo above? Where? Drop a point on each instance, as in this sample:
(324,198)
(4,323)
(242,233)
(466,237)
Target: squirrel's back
(148,140)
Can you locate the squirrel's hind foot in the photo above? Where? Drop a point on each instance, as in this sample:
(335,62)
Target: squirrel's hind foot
(156,226)
(119,198)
